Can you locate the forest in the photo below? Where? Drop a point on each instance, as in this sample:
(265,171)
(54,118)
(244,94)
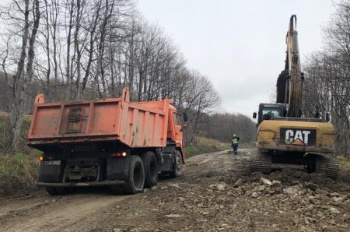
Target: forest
(74,50)
(327,82)
(77,50)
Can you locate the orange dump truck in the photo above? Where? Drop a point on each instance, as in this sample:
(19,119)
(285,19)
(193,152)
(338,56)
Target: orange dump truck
(110,142)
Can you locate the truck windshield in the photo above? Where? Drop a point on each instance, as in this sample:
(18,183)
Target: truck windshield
(177,119)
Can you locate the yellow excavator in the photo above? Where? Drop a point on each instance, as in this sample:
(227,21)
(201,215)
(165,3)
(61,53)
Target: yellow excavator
(284,137)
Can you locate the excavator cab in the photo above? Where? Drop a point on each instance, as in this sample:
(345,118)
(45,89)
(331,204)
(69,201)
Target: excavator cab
(270,111)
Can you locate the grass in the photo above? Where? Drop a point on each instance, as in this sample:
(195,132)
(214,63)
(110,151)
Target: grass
(344,162)
(205,145)
(18,171)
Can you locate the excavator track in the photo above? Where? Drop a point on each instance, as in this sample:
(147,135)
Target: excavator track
(327,165)
(261,163)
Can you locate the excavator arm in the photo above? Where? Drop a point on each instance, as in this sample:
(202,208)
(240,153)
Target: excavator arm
(290,81)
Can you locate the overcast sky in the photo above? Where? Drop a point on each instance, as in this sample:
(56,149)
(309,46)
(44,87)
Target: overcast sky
(239,44)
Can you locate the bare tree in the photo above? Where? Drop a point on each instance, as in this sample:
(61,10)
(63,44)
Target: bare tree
(92,49)
(27,17)
(328,77)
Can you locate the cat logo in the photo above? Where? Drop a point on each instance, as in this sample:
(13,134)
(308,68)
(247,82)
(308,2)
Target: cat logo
(298,137)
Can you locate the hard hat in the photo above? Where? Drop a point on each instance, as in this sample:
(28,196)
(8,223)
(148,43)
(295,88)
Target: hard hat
(234,134)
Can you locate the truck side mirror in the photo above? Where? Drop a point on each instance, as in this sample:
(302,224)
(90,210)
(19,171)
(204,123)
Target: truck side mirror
(328,117)
(184,115)
(254,115)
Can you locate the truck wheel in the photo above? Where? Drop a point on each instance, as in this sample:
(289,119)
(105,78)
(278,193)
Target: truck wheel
(177,165)
(136,178)
(62,191)
(52,191)
(151,169)
(116,189)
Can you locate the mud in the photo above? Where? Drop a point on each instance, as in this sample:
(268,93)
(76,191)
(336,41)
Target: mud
(216,193)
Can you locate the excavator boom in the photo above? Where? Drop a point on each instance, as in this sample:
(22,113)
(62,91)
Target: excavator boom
(290,81)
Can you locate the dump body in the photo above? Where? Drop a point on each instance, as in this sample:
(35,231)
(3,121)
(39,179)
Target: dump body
(135,124)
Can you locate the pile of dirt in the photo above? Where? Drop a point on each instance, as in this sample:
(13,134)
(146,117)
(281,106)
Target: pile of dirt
(217,193)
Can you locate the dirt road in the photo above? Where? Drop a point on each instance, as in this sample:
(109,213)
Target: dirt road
(216,193)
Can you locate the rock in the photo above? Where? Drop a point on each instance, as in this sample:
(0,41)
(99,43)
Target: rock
(173,215)
(255,195)
(221,186)
(265,181)
(276,183)
(295,182)
(181,199)
(314,201)
(309,191)
(261,188)
(174,185)
(338,199)
(321,191)
(311,186)
(291,190)
(117,230)
(275,191)
(229,193)
(333,210)
(238,183)
(248,193)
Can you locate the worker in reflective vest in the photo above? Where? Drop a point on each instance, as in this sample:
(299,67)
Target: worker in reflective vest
(234,144)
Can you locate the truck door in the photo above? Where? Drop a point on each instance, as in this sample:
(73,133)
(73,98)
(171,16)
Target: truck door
(178,129)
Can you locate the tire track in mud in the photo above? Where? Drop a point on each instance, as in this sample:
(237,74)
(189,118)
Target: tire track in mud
(63,213)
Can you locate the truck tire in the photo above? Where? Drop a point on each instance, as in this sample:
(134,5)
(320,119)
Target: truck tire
(136,176)
(51,190)
(62,191)
(151,169)
(177,165)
